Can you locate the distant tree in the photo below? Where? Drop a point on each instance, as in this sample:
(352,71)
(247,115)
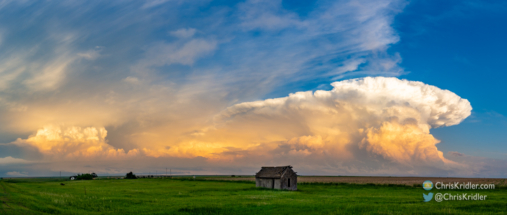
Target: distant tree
(85,176)
(94,175)
(130,175)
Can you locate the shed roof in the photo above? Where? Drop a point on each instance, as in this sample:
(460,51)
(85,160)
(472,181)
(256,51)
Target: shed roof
(272,171)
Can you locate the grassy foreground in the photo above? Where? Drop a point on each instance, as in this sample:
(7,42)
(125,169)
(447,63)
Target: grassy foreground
(185,196)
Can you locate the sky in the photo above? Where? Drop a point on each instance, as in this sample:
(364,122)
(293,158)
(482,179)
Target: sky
(384,87)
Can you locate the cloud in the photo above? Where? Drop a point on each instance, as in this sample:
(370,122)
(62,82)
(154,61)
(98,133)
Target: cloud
(49,77)
(60,142)
(71,142)
(37,69)
(11,160)
(183,33)
(176,53)
(480,166)
(404,144)
(132,80)
(267,15)
(154,3)
(368,120)
(90,54)
(383,97)
(17,174)
(456,154)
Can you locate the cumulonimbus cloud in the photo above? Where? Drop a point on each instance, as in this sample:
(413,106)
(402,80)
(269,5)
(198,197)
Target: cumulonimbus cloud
(369,119)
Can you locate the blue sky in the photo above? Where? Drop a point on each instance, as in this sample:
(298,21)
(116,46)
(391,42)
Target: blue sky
(223,86)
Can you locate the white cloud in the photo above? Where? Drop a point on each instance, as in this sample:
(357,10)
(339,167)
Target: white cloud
(348,66)
(183,33)
(11,160)
(154,3)
(176,53)
(435,107)
(11,69)
(268,15)
(90,54)
(48,77)
(17,174)
(191,51)
(25,67)
(335,39)
(132,80)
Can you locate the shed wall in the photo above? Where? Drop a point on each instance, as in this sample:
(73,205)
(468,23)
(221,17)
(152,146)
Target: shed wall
(278,184)
(261,182)
(293,181)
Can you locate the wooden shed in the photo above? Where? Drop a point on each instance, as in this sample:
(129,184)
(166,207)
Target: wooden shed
(278,177)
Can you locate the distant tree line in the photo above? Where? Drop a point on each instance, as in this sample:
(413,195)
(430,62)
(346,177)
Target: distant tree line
(130,175)
(85,176)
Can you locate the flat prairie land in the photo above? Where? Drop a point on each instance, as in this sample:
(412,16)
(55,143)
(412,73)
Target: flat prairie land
(409,181)
(187,196)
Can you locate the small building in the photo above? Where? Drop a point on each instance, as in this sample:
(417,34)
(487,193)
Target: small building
(278,177)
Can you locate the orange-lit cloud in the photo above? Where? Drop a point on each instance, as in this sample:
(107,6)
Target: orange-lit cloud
(404,144)
(369,120)
(375,119)
(61,142)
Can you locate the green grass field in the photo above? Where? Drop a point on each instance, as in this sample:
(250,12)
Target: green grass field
(186,196)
